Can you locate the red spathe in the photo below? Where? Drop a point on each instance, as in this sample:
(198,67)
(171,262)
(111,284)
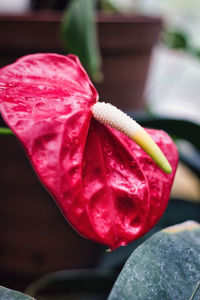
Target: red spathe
(106,186)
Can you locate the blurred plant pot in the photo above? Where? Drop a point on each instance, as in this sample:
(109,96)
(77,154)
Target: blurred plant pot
(126,43)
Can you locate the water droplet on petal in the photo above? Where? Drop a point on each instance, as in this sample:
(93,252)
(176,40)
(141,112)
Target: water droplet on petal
(76,141)
(2,86)
(133,164)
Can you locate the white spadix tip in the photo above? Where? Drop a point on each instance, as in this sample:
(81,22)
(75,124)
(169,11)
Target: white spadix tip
(108,114)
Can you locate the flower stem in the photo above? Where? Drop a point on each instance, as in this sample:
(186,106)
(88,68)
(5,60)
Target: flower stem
(5,131)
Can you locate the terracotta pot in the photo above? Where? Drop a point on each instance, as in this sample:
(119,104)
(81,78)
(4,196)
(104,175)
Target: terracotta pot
(126,43)
(34,236)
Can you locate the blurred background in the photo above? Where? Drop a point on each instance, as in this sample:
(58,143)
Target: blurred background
(144,57)
(173,82)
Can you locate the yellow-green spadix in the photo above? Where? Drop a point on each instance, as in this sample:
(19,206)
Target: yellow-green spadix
(110,115)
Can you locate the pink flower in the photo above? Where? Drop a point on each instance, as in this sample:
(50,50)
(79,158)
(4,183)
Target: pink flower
(107,187)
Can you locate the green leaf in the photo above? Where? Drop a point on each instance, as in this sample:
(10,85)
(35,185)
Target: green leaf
(80,34)
(7,294)
(175,39)
(164,267)
(108,6)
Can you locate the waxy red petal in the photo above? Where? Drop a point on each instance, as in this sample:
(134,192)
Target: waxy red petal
(106,186)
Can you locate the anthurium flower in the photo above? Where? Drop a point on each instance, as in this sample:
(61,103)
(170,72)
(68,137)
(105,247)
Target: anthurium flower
(107,187)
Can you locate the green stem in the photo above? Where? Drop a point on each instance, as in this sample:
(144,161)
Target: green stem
(5,131)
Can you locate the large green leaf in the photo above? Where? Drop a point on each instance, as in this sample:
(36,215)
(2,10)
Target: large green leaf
(165,267)
(7,294)
(80,34)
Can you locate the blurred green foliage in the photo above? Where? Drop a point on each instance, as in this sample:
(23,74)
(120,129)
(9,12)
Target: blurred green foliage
(80,35)
(179,40)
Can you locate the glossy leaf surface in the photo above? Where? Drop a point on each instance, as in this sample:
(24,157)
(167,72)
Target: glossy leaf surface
(106,186)
(166,266)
